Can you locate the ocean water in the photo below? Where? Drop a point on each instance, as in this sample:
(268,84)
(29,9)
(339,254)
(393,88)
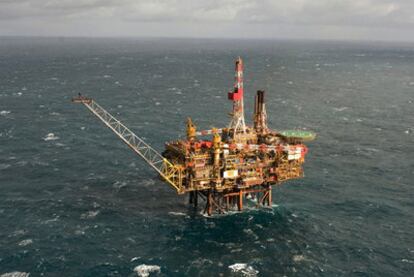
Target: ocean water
(75,201)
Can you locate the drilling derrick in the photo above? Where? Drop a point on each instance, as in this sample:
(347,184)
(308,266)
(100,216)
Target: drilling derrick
(222,167)
(237,124)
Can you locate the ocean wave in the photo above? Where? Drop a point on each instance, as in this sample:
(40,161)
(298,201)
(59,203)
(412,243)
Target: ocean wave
(25,242)
(119,185)
(177,213)
(144,270)
(244,269)
(298,258)
(4,112)
(4,166)
(50,136)
(18,233)
(340,109)
(15,274)
(250,232)
(89,214)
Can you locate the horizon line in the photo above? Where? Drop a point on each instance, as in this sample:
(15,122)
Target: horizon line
(345,40)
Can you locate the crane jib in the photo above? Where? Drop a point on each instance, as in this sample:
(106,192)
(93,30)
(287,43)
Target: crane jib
(165,168)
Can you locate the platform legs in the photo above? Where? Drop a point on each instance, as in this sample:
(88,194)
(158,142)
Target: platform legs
(240,201)
(220,202)
(193,198)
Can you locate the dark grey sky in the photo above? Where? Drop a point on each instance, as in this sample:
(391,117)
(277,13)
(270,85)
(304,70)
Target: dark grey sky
(316,19)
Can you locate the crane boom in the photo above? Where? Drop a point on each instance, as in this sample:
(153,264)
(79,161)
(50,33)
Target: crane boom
(172,174)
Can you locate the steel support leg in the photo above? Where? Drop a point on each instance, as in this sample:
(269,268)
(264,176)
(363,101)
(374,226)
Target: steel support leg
(269,197)
(195,199)
(240,202)
(210,203)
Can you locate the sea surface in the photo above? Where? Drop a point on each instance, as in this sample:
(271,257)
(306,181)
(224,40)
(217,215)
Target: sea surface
(76,201)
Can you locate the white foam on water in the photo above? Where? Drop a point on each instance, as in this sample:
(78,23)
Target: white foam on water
(89,214)
(51,220)
(25,242)
(340,109)
(22,163)
(18,233)
(259,226)
(199,262)
(50,136)
(250,233)
(15,274)
(119,185)
(135,258)
(4,112)
(79,232)
(298,258)
(407,261)
(177,213)
(144,270)
(244,269)
(4,166)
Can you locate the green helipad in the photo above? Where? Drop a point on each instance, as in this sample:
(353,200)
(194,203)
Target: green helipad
(298,134)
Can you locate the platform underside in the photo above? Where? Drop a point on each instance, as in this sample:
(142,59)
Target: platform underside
(221,202)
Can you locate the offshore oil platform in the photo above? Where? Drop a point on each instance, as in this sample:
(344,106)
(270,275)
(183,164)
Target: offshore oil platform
(222,166)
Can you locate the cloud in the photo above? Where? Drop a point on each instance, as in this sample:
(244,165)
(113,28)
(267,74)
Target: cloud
(376,14)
